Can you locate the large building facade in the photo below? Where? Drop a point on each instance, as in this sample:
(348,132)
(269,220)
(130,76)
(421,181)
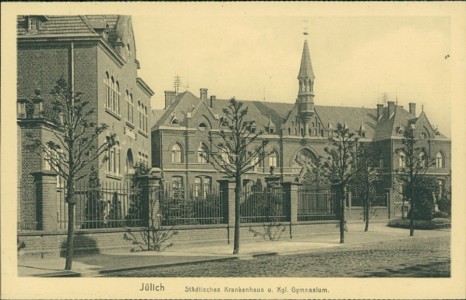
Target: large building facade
(96,55)
(297,133)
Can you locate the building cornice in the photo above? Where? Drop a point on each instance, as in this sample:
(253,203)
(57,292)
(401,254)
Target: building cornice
(144,87)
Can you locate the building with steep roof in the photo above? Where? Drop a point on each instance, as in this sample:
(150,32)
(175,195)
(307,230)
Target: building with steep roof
(293,129)
(97,56)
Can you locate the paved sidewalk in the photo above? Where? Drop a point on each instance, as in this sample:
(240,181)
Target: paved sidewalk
(93,265)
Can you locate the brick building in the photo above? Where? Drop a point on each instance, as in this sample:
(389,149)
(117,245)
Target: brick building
(297,131)
(97,56)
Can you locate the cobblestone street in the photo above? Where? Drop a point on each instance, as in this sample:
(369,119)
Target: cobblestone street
(413,257)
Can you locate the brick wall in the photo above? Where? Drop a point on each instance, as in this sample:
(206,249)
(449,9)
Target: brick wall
(98,241)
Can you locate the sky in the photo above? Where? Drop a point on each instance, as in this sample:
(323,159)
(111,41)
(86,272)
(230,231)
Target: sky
(255,56)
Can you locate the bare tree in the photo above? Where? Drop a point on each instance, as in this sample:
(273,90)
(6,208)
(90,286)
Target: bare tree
(76,146)
(238,150)
(364,180)
(340,167)
(415,162)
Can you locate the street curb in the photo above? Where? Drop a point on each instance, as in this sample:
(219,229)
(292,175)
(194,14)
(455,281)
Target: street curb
(109,271)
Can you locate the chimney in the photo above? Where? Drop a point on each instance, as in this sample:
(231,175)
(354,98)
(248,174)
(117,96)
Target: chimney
(379,111)
(169,97)
(391,108)
(212,100)
(203,94)
(412,108)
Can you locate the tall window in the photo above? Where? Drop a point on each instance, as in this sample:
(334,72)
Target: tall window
(131,115)
(146,118)
(273,159)
(401,160)
(116,108)
(422,159)
(112,94)
(254,162)
(439,160)
(202,186)
(177,186)
(139,115)
(225,155)
(113,162)
(108,90)
(128,105)
(176,153)
(202,154)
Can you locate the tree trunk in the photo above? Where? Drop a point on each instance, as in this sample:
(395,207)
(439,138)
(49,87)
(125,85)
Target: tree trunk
(411,217)
(342,215)
(237,214)
(70,236)
(367,208)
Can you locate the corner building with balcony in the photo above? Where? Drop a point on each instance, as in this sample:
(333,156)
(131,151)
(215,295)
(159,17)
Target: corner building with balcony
(297,133)
(96,55)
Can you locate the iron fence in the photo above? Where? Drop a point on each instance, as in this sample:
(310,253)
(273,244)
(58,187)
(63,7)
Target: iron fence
(109,205)
(314,205)
(263,205)
(192,206)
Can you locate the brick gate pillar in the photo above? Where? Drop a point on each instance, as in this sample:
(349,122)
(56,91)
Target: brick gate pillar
(290,190)
(227,194)
(46,200)
(150,197)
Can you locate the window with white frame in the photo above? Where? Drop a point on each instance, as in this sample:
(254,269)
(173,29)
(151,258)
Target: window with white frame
(401,160)
(114,160)
(202,186)
(108,90)
(439,161)
(177,156)
(177,186)
(202,154)
(422,159)
(273,159)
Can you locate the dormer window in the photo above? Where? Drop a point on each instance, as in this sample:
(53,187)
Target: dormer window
(271,130)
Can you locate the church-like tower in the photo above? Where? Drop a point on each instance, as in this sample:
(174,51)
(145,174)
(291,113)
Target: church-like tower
(306,88)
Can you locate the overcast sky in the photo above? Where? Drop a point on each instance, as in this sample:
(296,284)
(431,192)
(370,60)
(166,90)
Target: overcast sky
(255,56)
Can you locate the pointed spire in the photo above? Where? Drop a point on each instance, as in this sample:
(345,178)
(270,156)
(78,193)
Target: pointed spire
(305,71)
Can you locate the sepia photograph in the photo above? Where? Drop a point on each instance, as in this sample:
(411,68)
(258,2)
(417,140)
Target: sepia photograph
(233,151)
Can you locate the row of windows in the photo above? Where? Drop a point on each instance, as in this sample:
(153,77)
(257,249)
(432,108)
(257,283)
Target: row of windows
(202,185)
(439,160)
(112,103)
(177,155)
(112,94)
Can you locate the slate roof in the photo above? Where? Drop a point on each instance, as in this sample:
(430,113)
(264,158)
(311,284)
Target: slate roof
(263,112)
(305,70)
(353,116)
(68,25)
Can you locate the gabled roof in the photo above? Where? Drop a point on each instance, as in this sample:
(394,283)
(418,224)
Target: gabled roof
(67,25)
(260,111)
(352,116)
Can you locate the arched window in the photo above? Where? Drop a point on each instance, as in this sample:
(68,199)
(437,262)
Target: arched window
(131,115)
(202,186)
(112,94)
(273,159)
(422,159)
(202,153)
(225,154)
(128,104)
(117,99)
(146,118)
(108,90)
(139,115)
(401,160)
(177,153)
(439,163)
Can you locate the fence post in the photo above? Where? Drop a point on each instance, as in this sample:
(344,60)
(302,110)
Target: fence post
(290,190)
(46,200)
(390,204)
(150,188)
(227,193)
